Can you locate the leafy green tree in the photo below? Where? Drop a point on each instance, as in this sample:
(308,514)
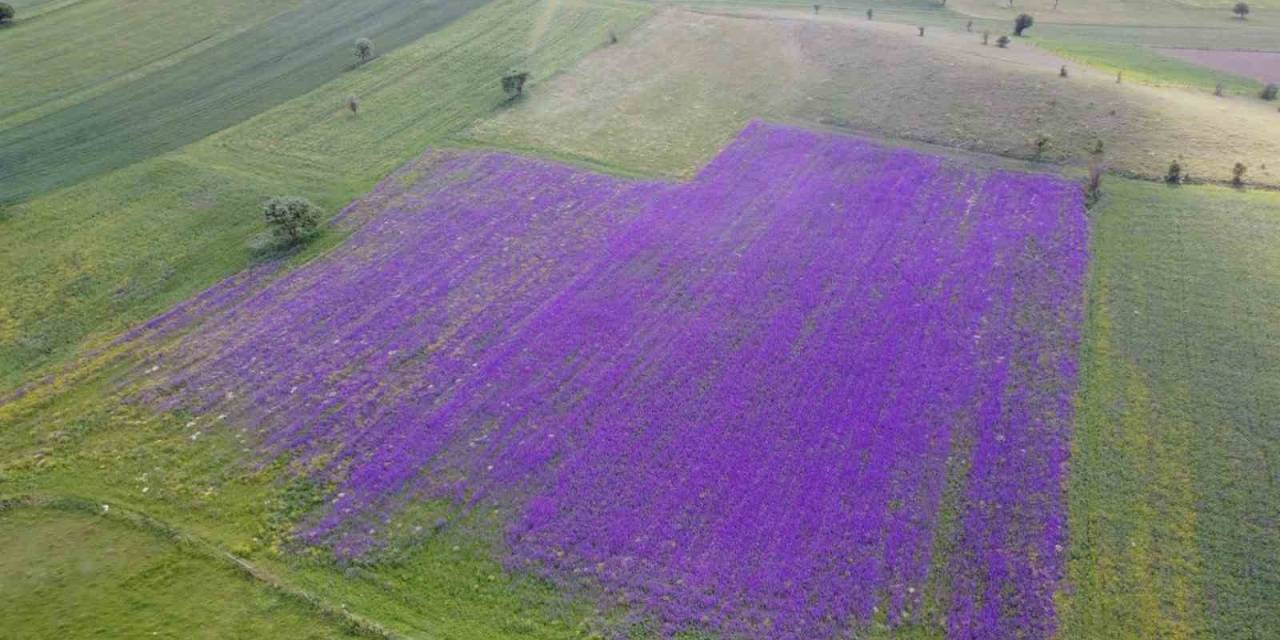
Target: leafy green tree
(364,50)
(1022,23)
(1241,10)
(513,83)
(291,218)
(6,12)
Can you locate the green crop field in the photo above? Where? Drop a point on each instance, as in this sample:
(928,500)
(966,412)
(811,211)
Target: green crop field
(74,575)
(1174,471)
(164,228)
(1141,64)
(233,80)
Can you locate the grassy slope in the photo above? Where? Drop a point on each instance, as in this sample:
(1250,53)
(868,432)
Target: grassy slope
(73,575)
(278,59)
(1175,506)
(164,228)
(1141,64)
(670,96)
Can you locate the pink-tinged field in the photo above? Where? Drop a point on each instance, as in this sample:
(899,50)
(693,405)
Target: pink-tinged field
(1263,66)
(825,381)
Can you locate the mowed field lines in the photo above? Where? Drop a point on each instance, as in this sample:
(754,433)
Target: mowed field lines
(1175,504)
(283,57)
(164,228)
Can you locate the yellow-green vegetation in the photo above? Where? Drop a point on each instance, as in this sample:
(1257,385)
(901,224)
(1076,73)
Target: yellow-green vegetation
(1141,64)
(74,575)
(1174,503)
(176,99)
(200,488)
(108,252)
(667,98)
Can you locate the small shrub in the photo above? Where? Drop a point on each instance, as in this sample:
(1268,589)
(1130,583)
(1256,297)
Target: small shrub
(1062,73)
(513,83)
(353,103)
(1237,174)
(817,8)
(1217,89)
(1269,92)
(1241,10)
(1174,175)
(6,12)
(1003,42)
(869,13)
(613,37)
(986,37)
(1093,187)
(1022,23)
(1098,148)
(1042,145)
(969,27)
(291,218)
(1119,75)
(921,31)
(364,50)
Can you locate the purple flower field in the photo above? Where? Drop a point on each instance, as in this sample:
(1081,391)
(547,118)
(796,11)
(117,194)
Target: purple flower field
(825,381)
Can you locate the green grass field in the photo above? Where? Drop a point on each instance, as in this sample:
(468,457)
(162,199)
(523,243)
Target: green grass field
(280,58)
(1141,64)
(164,228)
(1174,473)
(74,575)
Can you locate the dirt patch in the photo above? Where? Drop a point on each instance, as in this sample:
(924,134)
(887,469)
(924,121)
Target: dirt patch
(1263,66)
(671,94)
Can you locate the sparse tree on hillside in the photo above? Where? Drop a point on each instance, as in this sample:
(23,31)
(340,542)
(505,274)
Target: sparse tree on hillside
(1269,92)
(1217,90)
(921,31)
(869,12)
(353,103)
(291,219)
(1093,188)
(1241,10)
(1237,174)
(1042,145)
(1174,175)
(1022,23)
(1119,76)
(513,83)
(817,8)
(1003,42)
(1062,73)
(6,12)
(364,49)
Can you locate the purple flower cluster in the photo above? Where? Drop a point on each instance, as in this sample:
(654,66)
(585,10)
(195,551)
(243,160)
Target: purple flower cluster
(737,402)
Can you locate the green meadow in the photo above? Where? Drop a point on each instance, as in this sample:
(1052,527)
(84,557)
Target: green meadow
(84,262)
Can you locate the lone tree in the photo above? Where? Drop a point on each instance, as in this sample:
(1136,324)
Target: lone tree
(353,103)
(817,8)
(364,50)
(1217,90)
(1062,73)
(1003,42)
(1174,175)
(1241,10)
(1022,23)
(1269,92)
(1237,174)
(291,219)
(986,37)
(6,12)
(869,14)
(1093,187)
(921,31)
(513,83)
